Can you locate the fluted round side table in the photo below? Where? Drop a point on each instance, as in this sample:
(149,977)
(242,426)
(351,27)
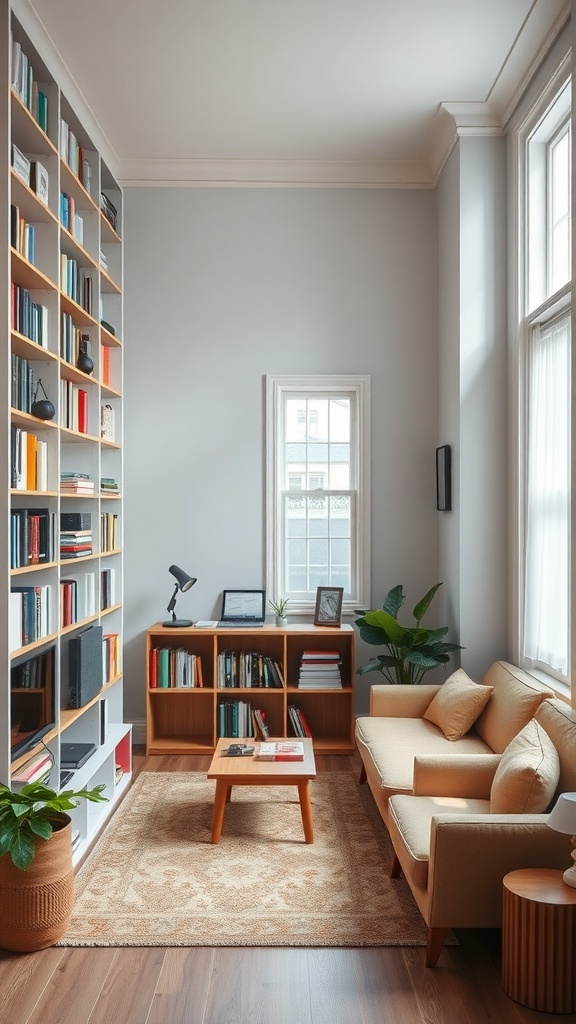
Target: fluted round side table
(539,940)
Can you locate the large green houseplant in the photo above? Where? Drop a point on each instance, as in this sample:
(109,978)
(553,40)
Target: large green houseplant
(36,874)
(413,650)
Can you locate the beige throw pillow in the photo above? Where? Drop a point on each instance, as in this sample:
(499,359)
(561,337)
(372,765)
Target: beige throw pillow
(457,705)
(528,773)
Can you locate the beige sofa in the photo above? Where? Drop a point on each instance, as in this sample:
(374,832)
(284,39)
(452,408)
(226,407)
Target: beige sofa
(437,795)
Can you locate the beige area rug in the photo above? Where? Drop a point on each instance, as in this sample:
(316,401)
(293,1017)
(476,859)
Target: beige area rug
(155,879)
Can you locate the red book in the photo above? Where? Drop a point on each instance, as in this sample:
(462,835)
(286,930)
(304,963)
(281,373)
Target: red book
(82,411)
(154,668)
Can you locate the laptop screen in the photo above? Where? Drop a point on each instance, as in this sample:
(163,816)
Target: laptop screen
(244,604)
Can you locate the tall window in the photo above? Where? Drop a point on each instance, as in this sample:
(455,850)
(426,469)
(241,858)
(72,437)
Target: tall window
(545,393)
(317,488)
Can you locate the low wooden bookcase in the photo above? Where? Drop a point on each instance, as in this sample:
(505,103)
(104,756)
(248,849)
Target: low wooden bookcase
(184,720)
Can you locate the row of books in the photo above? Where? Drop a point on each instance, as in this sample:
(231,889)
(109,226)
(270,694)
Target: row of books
(73,406)
(71,337)
(320,670)
(34,673)
(22,383)
(298,722)
(111,663)
(78,595)
(29,615)
(109,536)
(109,210)
(32,536)
(76,282)
(74,155)
(235,718)
(22,235)
(174,668)
(29,461)
(28,317)
(248,669)
(70,218)
(25,85)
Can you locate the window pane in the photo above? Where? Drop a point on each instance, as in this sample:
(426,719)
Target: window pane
(546,580)
(559,233)
(318,540)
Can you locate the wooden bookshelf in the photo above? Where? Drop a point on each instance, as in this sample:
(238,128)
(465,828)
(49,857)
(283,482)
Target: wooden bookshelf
(34,262)
(185,720)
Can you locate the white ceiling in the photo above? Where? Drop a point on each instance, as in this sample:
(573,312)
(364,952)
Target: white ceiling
(335,91)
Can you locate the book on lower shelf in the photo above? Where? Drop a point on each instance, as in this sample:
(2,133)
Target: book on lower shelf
(281,750)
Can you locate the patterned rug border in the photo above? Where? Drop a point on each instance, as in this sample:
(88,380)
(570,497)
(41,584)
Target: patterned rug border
(148,787)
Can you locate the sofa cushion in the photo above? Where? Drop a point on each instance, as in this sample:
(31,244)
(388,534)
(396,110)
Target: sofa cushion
(457,705)
(512,704)
(559,721)
(527,776)
(409,823)
(388,746)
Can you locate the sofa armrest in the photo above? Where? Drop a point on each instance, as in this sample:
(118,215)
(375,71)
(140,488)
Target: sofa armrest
(467,775)
(471,854)
(388,701)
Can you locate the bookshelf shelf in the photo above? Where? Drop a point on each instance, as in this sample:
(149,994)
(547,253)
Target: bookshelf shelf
(39,249)
(186,719)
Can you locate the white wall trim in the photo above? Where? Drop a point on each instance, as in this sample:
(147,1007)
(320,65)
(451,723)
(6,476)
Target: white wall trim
(139,732)
(284,173)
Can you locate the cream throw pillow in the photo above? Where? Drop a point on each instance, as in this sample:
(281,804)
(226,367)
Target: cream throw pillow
(528,773)
(457,705)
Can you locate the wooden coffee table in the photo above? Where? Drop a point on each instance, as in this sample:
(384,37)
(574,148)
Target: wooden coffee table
(247,771)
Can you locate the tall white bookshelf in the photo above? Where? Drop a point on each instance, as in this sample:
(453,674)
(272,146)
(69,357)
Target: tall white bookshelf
(69,295)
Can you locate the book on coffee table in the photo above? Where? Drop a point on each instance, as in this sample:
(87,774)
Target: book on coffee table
(281,750)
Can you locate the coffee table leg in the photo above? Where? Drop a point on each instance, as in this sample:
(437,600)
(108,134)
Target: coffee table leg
(306,810)
(221,798)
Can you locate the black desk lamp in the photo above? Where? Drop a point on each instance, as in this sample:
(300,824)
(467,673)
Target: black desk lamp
(183,583)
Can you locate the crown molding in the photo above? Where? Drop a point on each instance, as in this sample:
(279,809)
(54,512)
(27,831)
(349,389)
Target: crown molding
(270,173)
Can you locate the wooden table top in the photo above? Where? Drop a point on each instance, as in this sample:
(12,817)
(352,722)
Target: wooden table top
(541,885)
(250,768)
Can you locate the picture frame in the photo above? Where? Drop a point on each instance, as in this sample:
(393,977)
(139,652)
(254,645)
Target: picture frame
(443,478)
(328,611)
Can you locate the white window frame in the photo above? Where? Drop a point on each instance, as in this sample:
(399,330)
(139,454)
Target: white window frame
(533,305)
(356,386)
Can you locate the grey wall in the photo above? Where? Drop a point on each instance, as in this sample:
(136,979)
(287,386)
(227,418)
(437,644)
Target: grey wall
(473,396)
(223,286)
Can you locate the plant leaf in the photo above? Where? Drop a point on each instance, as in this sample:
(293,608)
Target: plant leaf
(422,606)
(40,827)
(22,849)
(393,601)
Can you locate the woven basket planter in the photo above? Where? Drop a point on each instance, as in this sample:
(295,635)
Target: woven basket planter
(36,904)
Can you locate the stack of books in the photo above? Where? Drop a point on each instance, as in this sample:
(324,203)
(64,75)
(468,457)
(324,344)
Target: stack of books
(36,769)
(108,485)
(75,534)
(281,750)
(76,483)
(320,670)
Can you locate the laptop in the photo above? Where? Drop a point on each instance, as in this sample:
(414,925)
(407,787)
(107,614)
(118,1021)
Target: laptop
(242,608)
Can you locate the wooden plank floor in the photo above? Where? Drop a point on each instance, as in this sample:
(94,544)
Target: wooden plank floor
(260,985)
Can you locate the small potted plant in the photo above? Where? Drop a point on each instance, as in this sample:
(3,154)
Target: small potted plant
(36,875)
(279,607)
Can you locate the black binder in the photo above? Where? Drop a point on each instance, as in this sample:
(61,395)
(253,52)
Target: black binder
(85,671)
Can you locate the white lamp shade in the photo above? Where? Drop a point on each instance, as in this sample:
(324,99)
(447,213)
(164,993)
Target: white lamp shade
(562,817)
